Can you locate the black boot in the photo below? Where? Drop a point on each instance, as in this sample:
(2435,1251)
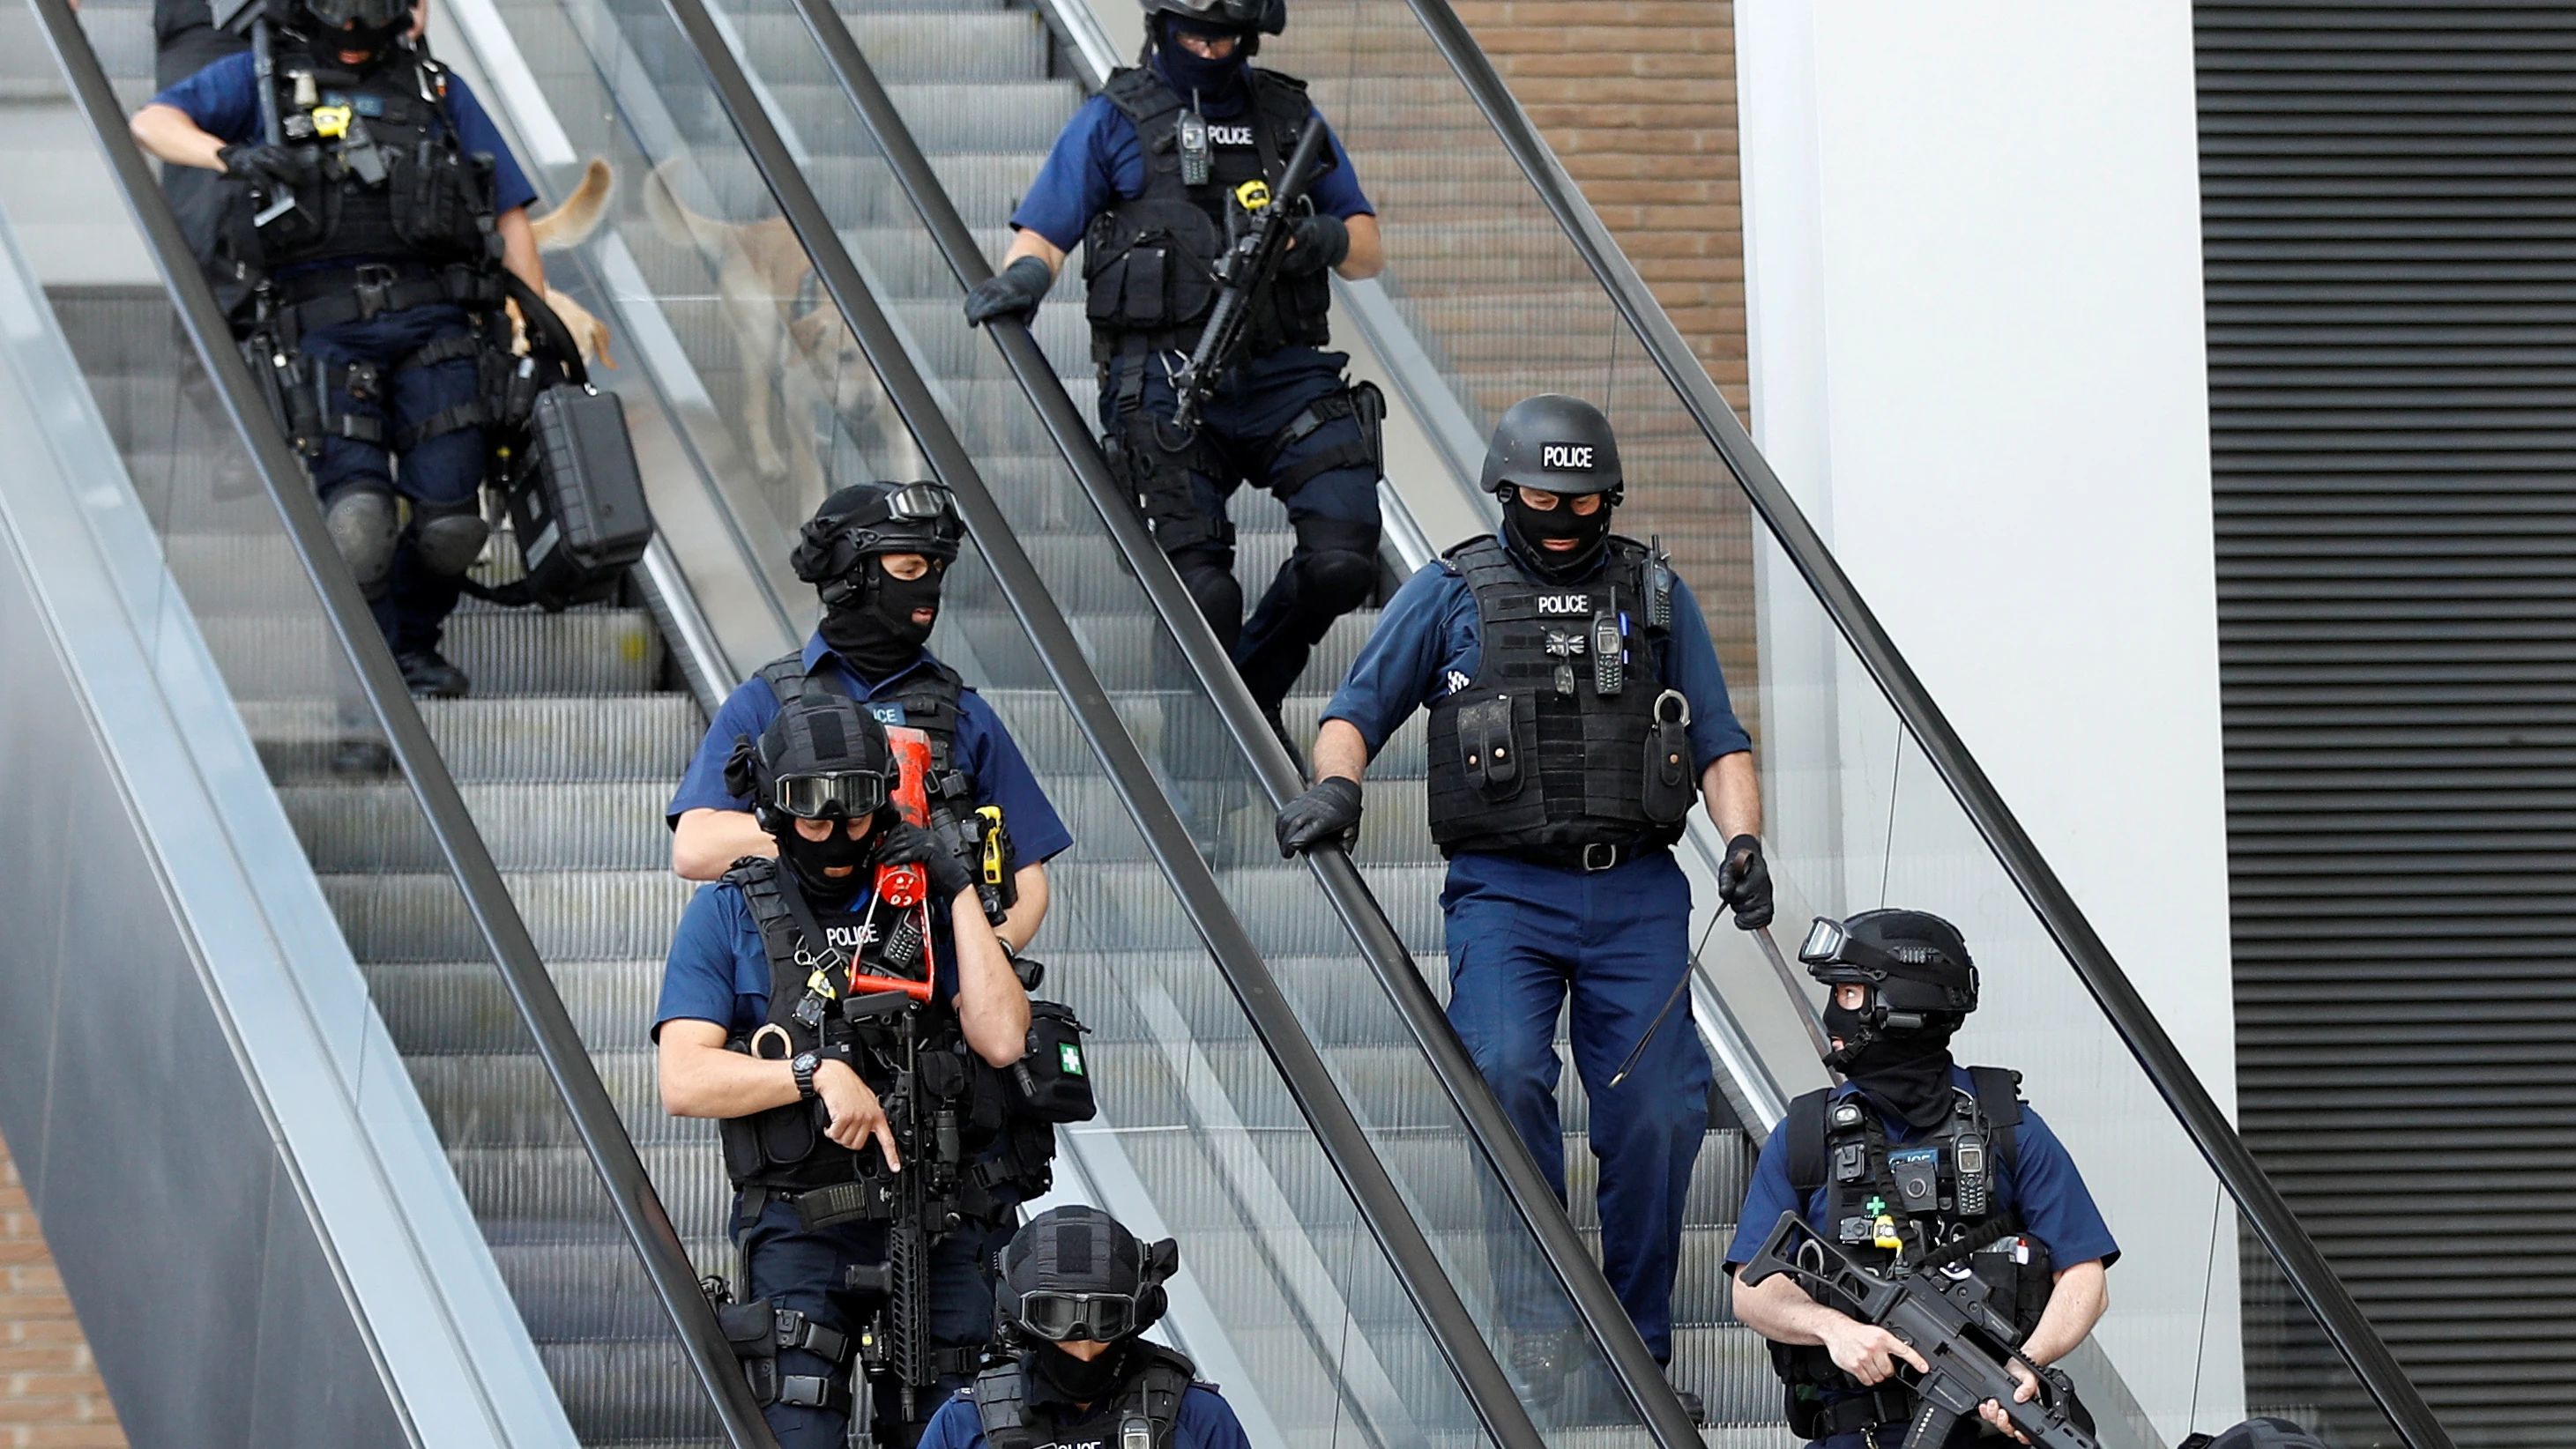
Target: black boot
(430,676)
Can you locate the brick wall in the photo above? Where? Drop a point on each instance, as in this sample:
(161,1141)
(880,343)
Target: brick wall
(50,1394)
(1638,99)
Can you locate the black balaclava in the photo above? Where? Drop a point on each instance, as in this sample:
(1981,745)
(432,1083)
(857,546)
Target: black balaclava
(809,859)
(1062,1378)
(1218,84)
(1906,1073)
(876,633)
(326,45)
(1528,528)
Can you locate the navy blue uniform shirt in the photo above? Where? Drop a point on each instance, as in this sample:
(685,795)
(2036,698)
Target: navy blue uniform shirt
(985,751)
(1206,1422)
(1097,162)
(223,99)
(2045,1189)
(1425,647)
(718,971)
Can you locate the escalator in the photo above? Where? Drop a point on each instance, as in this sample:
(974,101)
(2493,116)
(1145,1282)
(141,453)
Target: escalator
(1345,1211)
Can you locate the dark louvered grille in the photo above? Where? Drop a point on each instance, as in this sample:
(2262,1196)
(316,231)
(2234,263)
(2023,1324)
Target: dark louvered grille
(2389,216)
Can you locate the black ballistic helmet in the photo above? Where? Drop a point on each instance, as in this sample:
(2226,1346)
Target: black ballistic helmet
(1556,444)
(365,24)
(1914,963)
(863,520)
(1077,1273)
(822,758)
(1244,17)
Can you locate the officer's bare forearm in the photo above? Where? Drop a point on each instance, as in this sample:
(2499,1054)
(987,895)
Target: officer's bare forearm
(706,842)
(2078,1301)
(166,132)
(1339,750)
(1779,1310)
(1367,256)
(1020,923)
(700,1078)
(1026,243)
(1734,793)
(991,1008)
(519,248)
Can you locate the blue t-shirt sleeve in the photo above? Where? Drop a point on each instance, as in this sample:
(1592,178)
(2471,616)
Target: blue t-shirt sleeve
(702,981)
(1002,777)
(223,99)
(955,1426)
(1207,1421)
(1337,191)
(475,132)
(1399,665)
(1082,174)
(1690,665)
(1768,1195)
(2053,1201)
(746,711)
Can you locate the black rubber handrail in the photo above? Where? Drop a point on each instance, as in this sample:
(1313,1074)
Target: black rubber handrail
(1301,1065)
(2244,1178)
(1380,944)
(559,1046)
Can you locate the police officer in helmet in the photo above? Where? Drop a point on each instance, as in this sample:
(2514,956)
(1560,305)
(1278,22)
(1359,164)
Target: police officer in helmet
(1577,710)
(1076,1289)
(382,280)
(752,1029)
(1935,1152)
(878,555)
(1145,179)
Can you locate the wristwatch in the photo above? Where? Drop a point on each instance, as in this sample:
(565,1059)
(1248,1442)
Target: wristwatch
(804,1067)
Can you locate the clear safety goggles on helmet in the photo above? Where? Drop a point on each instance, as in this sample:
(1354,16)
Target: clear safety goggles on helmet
(840,794)
(919,502)
(1828,944)
(1067,1317)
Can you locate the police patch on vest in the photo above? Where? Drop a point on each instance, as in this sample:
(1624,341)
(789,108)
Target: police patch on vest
(1565,457)
(1560,644)
(850,938)
(1565,603)
(889,712)
(1229,135)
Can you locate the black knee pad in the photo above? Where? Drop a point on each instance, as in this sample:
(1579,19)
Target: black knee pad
(364,526)
(1214,588)
(1337,582)
(448,537)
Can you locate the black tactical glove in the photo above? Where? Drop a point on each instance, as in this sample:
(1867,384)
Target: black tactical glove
(1744,882)
(1327,813)
(908,843)
(1322,241)
(1013,292)
(258,161)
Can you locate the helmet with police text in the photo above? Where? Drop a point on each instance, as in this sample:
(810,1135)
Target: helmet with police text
(861,521)
(1556,444)
(1914,964)
(1242,17)
(1075,1273)
(823,757)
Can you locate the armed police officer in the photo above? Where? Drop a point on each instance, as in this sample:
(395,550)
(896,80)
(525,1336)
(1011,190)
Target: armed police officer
(370,247)
(1912,1153)
(1150,178)
(858,1063)
(1076,1289)
(878,553)
(1577,709)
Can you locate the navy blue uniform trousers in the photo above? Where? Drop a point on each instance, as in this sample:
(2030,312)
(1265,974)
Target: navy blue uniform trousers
(1334,513)
(444,470)
(801,1268)
(1524,940)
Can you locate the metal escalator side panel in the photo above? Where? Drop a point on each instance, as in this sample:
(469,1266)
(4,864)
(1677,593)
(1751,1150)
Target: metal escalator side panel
(239,1182)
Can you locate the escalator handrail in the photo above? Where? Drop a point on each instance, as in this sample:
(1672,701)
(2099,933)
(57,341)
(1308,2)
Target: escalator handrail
(2314,1279)
(1265,1004)
(1380,944)
(566,1060)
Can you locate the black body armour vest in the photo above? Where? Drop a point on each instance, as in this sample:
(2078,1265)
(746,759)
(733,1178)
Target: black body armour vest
(385,179)
(1152,1393)
(1566,736)
(1899,1203)
(1150,260)
(954,1094)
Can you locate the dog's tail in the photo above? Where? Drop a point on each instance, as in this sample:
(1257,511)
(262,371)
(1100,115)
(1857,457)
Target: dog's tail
(673,218)
(569,225)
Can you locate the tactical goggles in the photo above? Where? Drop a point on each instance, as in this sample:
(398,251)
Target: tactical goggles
(839,795)
(1828,944)
(915,502)
(1065,1317)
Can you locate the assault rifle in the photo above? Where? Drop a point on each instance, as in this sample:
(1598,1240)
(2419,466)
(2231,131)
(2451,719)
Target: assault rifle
(921,1207)
(1968,1345)
(1243,274)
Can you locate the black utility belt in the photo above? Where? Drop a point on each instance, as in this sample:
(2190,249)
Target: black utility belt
(1590,858)
(359,293)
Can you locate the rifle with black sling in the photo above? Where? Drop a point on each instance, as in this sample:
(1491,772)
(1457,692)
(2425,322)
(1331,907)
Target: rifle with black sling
(1244,273)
